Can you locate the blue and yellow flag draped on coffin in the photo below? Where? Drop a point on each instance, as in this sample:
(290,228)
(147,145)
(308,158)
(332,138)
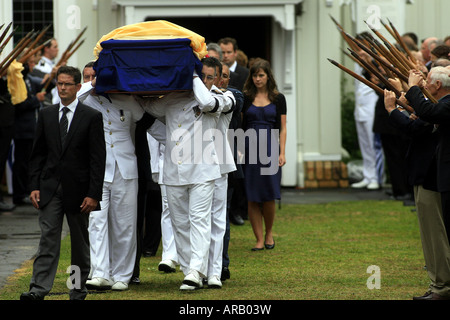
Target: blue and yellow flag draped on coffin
(148,57)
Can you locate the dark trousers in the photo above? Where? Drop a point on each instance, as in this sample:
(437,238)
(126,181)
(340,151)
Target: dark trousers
(46,262)
(445,199)
(148,221)
(6,134)
(22,151)
(152,223)
(395,148)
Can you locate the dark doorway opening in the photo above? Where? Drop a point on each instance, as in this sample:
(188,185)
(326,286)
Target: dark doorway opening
(253,34)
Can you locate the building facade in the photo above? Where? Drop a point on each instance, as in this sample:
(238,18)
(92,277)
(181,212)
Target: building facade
(296,36)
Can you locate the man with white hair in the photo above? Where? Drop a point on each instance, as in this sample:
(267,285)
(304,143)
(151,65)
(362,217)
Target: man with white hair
(438,84)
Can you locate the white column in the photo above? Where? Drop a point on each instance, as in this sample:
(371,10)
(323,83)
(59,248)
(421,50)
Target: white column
(284,67)
(6,17)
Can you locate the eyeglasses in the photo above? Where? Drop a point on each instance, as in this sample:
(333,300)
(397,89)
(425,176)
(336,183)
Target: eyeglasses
(65,84)
(209,78)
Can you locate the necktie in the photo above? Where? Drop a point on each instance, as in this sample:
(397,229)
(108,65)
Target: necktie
(63,124)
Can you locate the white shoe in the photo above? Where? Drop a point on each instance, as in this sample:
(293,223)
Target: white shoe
(120,286)
(214,282)
(360,185)
(168,266)
(185,287)
(373,186)
(193,279)
(98,284)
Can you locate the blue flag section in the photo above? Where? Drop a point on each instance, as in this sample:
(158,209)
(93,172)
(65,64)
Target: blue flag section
(146,66)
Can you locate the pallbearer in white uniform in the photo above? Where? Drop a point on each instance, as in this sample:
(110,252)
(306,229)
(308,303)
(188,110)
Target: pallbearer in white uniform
(112,230)
(169,258)
(191,167)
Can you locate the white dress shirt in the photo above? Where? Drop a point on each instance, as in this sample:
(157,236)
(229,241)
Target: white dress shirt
(72,107)
(233,66)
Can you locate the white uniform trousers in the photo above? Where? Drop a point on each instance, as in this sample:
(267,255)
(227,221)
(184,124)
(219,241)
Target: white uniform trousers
(366,139)
(169,249)
(218,226)
(190,211)
(112,230)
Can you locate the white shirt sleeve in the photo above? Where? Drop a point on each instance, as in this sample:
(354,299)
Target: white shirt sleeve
(154,107)
(158,131)
(203,96)
(85,91)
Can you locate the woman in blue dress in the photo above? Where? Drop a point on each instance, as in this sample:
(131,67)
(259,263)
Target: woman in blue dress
(264,121)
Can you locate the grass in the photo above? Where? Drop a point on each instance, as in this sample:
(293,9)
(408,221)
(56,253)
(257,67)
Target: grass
(322,253)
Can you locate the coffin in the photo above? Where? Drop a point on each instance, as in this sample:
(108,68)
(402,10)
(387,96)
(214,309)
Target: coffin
(146,66)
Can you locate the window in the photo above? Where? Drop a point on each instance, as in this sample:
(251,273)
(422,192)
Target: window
(32,14)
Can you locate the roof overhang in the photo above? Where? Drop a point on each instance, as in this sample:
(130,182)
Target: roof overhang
(283,11)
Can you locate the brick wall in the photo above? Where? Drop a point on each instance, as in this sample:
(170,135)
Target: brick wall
(326,174)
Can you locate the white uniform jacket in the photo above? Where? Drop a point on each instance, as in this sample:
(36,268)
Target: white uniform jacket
(222,144)
(191,118)
(119,118)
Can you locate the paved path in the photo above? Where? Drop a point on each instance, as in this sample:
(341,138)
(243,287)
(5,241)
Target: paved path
(19,229)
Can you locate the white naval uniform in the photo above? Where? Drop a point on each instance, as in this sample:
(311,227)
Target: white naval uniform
(365,101)
(190,168)
(169,249)
(219,204)
(45,65)
(112,230)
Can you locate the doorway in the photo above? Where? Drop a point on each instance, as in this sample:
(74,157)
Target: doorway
(253,34)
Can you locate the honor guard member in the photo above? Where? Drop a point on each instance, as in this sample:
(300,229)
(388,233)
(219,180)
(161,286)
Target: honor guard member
(47,64)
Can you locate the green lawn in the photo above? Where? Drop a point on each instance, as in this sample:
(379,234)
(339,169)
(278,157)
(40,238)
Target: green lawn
(322,253)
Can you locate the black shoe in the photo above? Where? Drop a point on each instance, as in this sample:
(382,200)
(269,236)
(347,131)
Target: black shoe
(270,246)
(148,253)
(30,296)
(225,274)
(6,206)
(135,280)
(404,197)
(236,219)
(427,296)
(257,249)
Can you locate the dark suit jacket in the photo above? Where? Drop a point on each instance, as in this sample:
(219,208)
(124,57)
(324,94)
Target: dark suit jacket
(238,77)
(25,114)
(79,165)
(420,159)
(438,114)
(6,107)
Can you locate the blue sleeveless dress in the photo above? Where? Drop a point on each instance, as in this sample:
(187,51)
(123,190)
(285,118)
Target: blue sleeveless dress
(261,183)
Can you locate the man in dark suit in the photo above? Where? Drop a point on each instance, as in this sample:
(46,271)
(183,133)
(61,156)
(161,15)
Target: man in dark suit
(66,171)
(6,134)
(438,84)
(420,163)
(239,74)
